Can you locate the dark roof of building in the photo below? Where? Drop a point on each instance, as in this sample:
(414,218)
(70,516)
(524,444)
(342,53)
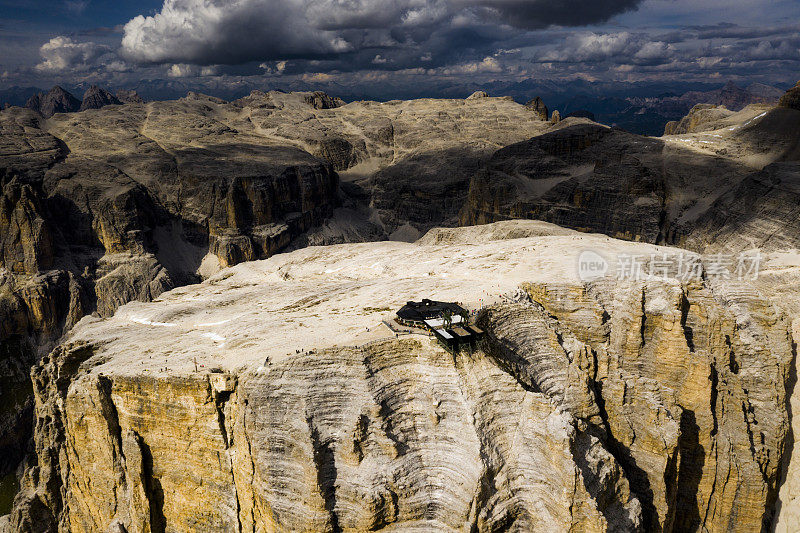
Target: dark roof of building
(419,311)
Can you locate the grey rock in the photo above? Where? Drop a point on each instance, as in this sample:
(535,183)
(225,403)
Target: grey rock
(792,98)
(477,95)
(537,106)
(320,100)
(129,97)
(56,100)
(602,406)
(96,97)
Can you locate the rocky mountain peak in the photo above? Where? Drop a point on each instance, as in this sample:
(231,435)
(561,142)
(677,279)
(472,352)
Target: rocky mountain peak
(792,98)
(96,97)
(56,100)
(129,97)
(478,94)
(537,106)
(321,100)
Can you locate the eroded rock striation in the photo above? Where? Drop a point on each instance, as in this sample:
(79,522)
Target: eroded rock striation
(121,203)
(670,190)
(656,405)
(594,406)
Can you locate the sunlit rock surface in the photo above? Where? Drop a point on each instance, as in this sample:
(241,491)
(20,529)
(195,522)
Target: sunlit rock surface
(271,397)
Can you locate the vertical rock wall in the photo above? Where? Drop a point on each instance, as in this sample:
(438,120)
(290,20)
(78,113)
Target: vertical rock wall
(649,407)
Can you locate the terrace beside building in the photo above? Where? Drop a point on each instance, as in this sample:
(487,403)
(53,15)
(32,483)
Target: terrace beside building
(448,321)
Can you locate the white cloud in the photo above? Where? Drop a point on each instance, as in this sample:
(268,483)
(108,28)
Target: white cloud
(273,67)
(184,70)
(654,50)
(61,54)
(215,31)
(488,65)
(620,47)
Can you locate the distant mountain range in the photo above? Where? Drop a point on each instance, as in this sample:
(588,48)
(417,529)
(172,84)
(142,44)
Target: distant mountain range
(642,107)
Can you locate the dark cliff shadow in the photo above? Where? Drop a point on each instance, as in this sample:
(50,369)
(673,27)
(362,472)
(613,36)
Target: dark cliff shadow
(325,462)
(600,180)
(770,518)
(155,494)
(691,459)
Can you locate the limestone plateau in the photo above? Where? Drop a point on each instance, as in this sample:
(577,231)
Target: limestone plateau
(226,267)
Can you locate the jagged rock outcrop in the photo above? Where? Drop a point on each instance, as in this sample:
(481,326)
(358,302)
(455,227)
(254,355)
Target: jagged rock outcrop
(698,119)
(124,192)
(602,406)
(477,95)
(34,313)
(555,118)
(320,100)
(792,98)
(537,106)
(96,97)
(593,178)
(94,204)
(762,212)
(26,240)
(411,161)
(128,96)
(56,100)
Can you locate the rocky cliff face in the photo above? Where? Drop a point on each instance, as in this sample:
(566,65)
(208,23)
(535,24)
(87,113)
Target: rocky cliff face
(538,106)
(599,406)
(94,214)
(698,119)
(792,98)
(119,204)
(56,100)
(129,227)
(96,97)
(593,178)
(410,161)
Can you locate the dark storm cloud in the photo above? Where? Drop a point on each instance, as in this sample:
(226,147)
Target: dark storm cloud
(203,32)
(407,41)
(727,30)
(534,14)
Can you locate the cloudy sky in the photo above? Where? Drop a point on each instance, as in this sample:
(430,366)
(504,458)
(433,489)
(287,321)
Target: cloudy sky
(119,42)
